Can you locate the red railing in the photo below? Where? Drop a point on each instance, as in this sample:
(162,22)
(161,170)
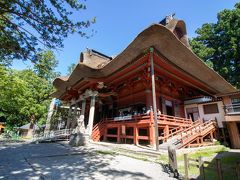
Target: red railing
(181,123)
(174,119)
(176,131)
(98,130)
(162,117)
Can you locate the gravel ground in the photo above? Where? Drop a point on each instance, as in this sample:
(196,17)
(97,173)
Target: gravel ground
(59,161)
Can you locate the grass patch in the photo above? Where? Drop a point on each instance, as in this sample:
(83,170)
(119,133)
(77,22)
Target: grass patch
(106,152)
(163,159)
(142,158)
(139,157)
(209,154)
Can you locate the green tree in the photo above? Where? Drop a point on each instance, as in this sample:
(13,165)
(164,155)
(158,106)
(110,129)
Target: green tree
(218,44)
(45,65)
(24,97)
(24,25)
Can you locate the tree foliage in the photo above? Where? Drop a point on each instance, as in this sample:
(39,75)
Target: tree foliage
(45,65)
(25,94)
(218,44)
(24,24)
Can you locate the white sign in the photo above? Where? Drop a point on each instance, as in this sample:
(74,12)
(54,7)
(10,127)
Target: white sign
(122,118)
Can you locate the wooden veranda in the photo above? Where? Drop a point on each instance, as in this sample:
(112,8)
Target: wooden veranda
(140,130)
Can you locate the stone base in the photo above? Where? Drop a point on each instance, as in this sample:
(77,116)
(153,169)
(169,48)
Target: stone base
(78,139)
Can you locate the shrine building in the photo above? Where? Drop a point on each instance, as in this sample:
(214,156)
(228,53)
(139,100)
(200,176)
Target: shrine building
(155,87)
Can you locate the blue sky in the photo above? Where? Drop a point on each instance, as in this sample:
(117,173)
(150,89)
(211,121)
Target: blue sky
(119,22)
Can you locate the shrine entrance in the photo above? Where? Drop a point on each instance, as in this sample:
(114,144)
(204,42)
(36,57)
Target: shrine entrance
(169,108)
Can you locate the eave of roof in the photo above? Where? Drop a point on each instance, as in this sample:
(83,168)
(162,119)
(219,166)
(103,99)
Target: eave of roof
(164,40)
(228,94)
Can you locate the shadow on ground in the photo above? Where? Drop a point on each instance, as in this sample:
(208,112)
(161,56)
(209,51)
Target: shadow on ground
(55,161)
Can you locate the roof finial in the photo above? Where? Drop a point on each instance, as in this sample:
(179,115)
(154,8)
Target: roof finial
(167,19)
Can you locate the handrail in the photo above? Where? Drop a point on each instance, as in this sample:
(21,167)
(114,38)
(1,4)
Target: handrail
(175,119)
(180,130)
(200,126)
(234,104)
(147,116)
(195,123)
(232,108)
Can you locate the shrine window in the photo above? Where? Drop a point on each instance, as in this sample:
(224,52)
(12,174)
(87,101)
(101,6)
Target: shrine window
(210,108)
(235,100)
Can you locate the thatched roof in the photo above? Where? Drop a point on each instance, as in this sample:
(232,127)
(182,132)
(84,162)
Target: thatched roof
(170,40)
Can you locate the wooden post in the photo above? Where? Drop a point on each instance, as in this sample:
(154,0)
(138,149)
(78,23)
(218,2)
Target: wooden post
(238,170)
(201,168)
(211,136)
(219,169)
(198,141)
(119,134)
(151,130)
(135,135)
(224,136)
(151,135)
(154,100)
(105,134)
(166,129)
(186,166)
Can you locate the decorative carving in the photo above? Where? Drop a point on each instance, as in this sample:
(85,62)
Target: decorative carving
(80,125)
(100,85)
(89,93)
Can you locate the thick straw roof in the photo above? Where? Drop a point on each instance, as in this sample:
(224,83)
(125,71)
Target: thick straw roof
(162,38)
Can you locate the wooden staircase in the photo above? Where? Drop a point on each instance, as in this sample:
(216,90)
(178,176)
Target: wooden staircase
(185,137)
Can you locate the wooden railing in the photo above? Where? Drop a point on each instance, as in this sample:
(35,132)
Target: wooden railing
(146,118)
(177,131)
(174,119)
(179,124)
(191,133)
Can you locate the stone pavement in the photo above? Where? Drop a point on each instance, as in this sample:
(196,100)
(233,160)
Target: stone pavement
(59,161)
